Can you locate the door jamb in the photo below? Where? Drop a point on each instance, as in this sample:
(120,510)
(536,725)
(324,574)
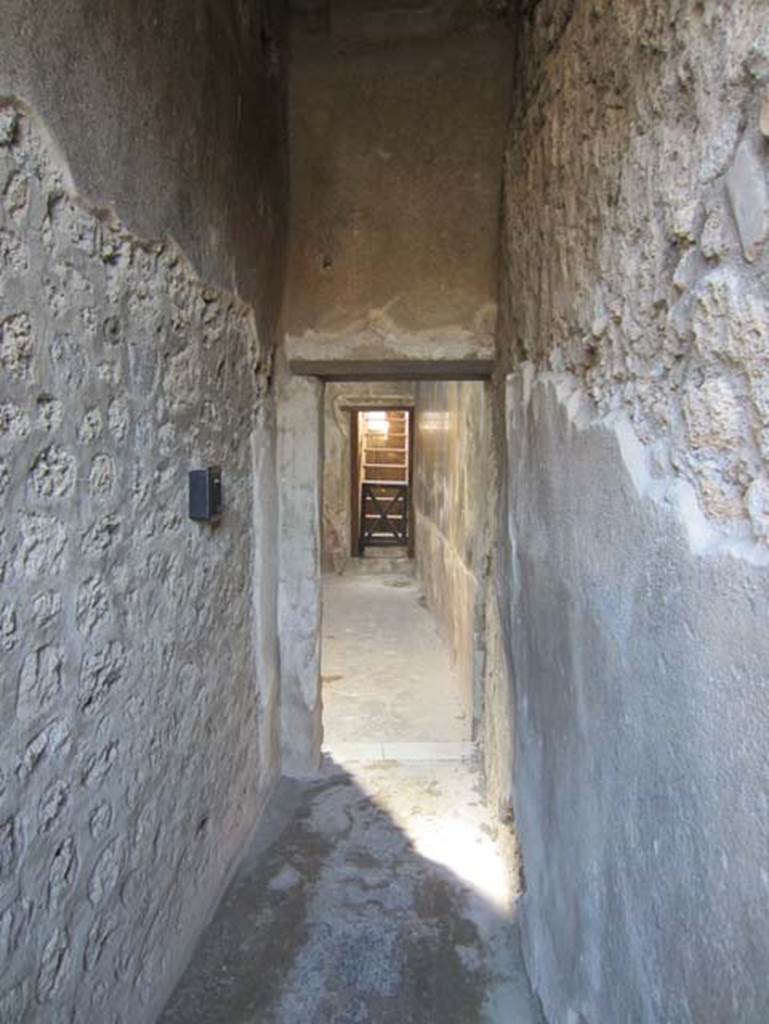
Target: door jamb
(354,484)
(412,524)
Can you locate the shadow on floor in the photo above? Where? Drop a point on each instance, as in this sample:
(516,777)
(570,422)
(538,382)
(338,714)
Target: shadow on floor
(343,921)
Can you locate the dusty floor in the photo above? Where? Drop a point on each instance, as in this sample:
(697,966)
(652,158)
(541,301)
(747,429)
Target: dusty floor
(381,892)
(383,900)
(387,676)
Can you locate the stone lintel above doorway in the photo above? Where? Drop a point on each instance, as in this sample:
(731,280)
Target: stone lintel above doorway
(438,355)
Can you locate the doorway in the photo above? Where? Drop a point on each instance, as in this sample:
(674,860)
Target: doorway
(381,478)
(402,637)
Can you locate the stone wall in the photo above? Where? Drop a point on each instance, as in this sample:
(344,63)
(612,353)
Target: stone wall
(138,652)
(453,511)
(637,209)
(338,398)
(634,286)
(173,114)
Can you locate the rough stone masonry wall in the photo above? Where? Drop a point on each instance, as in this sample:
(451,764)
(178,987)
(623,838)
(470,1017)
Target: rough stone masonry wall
(634,326)
(137,648)
(130,764)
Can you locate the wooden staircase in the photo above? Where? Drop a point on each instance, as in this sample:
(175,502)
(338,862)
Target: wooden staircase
(384,478)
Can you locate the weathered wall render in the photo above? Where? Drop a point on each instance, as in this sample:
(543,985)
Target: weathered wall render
(635,285)
(138,650)
(453,517)
(397,125)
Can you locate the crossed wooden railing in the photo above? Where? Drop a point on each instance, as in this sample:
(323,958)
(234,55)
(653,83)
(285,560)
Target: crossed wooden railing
(384,509)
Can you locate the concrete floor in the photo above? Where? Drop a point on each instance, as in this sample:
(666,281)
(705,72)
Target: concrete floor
(389,689)
(384,899)
(381,892)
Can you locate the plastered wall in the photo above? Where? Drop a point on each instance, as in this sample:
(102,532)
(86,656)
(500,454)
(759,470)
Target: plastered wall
(300,474)
(138,650)
(452,521)
(633,326)
(174,114)
(397,127)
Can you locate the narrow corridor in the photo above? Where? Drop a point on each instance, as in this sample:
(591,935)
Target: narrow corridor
(389,897)
(384,544)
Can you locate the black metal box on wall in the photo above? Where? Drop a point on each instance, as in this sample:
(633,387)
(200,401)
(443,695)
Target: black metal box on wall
(206,494)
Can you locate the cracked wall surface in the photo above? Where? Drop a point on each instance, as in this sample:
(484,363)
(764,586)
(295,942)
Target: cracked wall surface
(633,329)
(138,650)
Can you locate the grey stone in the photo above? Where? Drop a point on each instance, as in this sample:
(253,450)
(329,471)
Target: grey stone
(40,679)
(62,874)
(53,473)
(14,922)
(10,842)
(53,966)
(16,345)
(97,540)
(748,194)
(53,804)
(9,120)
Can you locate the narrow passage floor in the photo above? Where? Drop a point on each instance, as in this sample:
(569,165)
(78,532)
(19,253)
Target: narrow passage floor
(389,688)
(380,892)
